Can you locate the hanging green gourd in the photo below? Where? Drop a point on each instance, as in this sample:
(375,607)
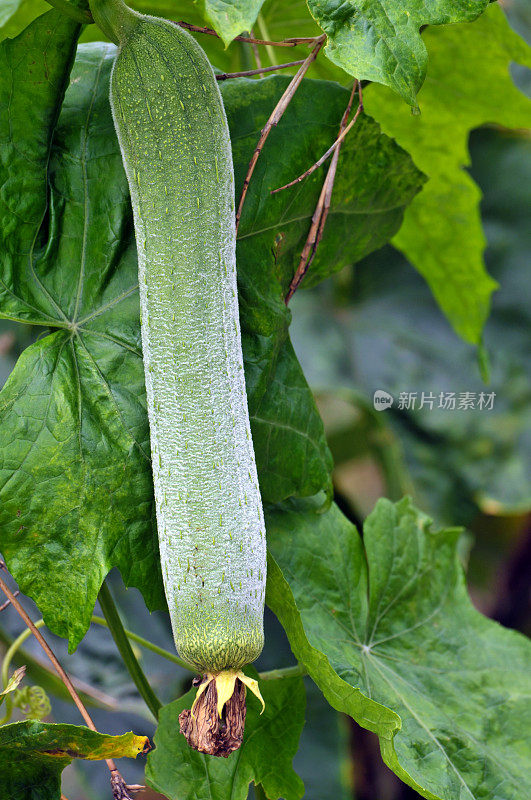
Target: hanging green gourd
(175,144)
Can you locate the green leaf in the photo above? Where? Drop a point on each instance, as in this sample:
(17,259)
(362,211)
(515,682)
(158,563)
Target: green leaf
(441,234)
(229,18)
(7,9)
(33,755)
(292,523)
(379,40)
(391,621)
(269,745)
(41,57)
(74,431)
(15,15)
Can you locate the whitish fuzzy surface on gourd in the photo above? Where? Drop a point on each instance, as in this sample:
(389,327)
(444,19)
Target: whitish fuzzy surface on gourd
(175,142)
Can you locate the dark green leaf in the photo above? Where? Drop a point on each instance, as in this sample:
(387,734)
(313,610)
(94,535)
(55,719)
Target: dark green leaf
(74,433)
(33,755)
(38,63)
(73,410)
(269,745)
(441,234)
(379,40)
(391,621)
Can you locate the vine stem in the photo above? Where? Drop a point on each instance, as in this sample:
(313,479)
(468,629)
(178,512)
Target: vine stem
(285,672)
(49,652)
(256,51)
(323,204)
(118,633)
(118,784)
(19,641)
(291,42)
(8,602)
(134,637)
(223,76)
(87,692)
(86,18)
(299,670)
(343,133)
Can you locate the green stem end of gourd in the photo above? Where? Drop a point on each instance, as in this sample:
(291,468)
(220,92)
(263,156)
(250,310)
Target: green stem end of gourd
(115,18)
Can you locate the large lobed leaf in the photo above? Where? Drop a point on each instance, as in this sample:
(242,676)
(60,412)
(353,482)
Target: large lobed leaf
(386,629)
(33,755)
(75,466)
(379,40)
(442,234)
(269,745)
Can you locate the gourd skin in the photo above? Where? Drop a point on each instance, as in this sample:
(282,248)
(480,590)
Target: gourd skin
(176,149)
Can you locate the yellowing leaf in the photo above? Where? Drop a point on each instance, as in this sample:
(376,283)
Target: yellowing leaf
(13,682)
(35,753)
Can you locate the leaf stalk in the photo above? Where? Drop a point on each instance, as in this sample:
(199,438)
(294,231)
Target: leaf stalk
(118,633)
